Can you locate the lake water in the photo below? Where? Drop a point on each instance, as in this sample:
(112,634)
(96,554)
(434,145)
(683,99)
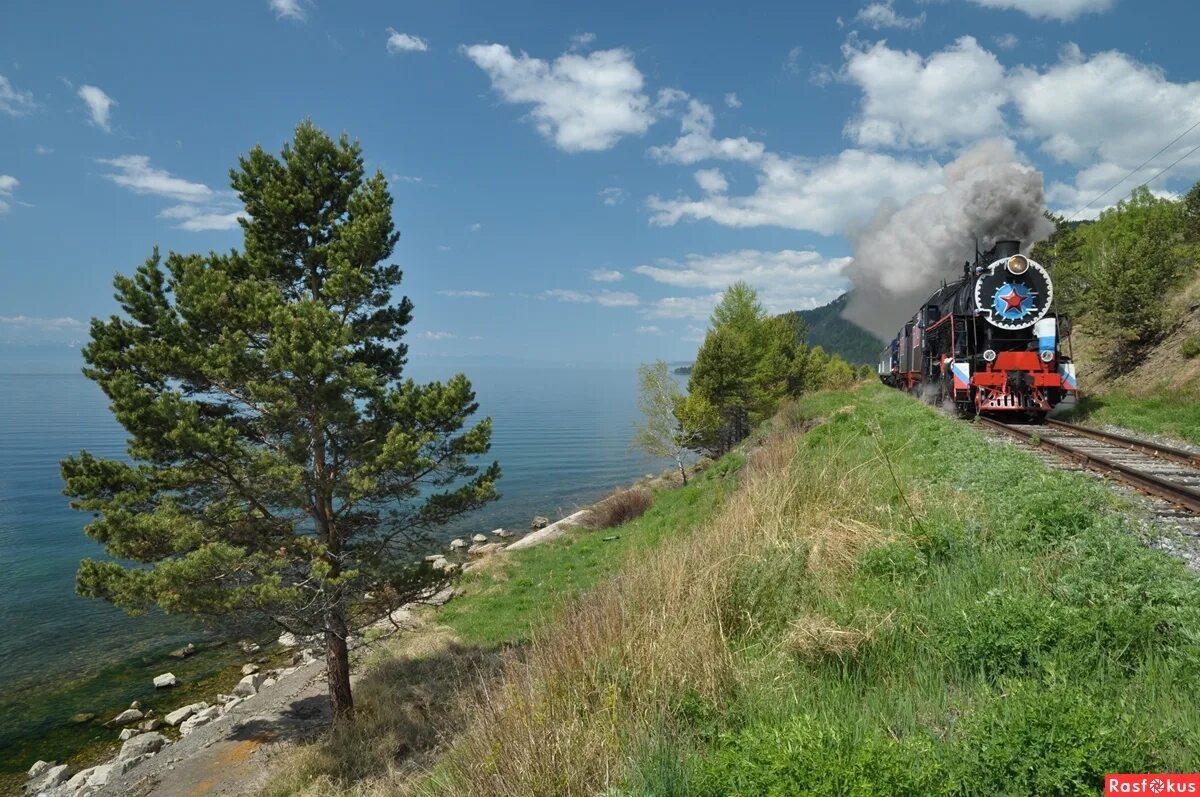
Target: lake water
(561,436)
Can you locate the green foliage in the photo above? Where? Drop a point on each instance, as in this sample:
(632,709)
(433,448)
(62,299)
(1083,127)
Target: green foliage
(1190,347)
(661,433)
(1120,270)
(280,465)
(829,330)
(1175,414)
(748,364)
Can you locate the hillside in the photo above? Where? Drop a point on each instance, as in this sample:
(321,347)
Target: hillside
(871,620)
(836,335)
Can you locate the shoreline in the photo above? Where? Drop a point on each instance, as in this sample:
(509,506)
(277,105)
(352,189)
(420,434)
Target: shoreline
(224,658)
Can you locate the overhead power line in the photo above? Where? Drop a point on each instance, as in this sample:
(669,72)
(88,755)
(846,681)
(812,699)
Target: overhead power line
(1142,166)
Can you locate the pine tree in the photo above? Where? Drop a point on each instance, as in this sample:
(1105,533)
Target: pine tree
(280,466)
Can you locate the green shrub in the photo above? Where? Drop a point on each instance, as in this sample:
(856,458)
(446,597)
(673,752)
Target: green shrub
(1190,347)
(898,561)
(1005,633)
(1057,741)
(809,756)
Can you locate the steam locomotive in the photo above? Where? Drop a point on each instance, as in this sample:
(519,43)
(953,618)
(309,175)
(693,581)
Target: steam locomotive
(988,342)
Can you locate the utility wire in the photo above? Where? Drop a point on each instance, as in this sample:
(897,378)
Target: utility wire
(1142,166)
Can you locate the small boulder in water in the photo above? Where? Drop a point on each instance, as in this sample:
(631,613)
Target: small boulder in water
(183,652)
(249,669)
(127,716)
(458,545)
(503,534)
(166,681)
(539,522)
(82,717)
(479,538)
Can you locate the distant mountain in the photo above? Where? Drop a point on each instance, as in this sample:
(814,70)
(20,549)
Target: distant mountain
(836,335)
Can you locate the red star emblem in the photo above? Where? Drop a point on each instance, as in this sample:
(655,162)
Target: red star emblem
(1014,300)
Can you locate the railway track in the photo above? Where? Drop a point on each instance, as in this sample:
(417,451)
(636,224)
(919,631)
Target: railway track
(1171,474)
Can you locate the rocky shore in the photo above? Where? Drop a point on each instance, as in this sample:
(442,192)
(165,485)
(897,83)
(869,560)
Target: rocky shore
(165,755)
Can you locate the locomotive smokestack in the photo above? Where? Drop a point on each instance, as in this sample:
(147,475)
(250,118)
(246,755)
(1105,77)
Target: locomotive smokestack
(1006,249)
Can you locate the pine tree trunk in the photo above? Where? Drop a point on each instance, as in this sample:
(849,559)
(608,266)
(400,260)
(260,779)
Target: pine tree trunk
(337,664)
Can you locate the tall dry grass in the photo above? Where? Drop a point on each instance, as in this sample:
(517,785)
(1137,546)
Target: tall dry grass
(570,711)
(620,506)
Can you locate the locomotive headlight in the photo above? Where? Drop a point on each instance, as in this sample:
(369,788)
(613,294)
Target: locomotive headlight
(1018,264)
(989,355)
(1046,355)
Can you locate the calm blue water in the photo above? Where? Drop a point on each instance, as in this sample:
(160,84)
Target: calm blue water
(561,436)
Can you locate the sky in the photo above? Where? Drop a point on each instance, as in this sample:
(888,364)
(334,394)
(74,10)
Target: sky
(573,182)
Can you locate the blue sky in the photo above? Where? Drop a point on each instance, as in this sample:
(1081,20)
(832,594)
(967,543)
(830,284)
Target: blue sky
(573,182)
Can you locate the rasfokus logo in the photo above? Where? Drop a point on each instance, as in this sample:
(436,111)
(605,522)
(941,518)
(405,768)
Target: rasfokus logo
(1151,784)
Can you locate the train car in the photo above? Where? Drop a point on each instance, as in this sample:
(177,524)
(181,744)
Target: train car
(989,342)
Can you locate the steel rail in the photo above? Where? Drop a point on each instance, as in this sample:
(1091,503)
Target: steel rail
(1140,446)
(1176,494)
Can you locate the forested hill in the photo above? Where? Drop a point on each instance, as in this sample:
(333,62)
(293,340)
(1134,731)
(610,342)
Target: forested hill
(836,335)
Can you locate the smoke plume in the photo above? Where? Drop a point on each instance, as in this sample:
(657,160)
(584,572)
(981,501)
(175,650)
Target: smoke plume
(904,253)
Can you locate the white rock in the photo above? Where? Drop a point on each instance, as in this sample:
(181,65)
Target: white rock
(180,714)
(267,682)
(127,716)
(486,549)
(40,768)
(249,669)
(539,522)
(142,744)
(457,544)
(288,640)
(151,725)
(124,765)
(248,686)
(250,647)
(503,534)
(52,777)
(433,557)
(136,704)
(198,719)
(128,734)
(479,538)
(98,775)
(165,681)
(226,708)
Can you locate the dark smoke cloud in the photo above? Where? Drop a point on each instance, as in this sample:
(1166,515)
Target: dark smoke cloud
(904,253)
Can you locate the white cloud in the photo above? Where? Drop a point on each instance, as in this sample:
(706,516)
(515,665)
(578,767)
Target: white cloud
(605,298)
(612,195)
(466,294)
(732,101)
(649,330)
(14,102)
(1007,41)
(1093,112)
(8,184)
(432,335)
(883,15)
(697,308)
(1063,10)
(398,42)
(42,324)
(696,142)
(785,280)
(288,9)
(581,41)
(135,173)
(476,227)
(952,97)
(196,218)
(606,275)
(198,208)
(42,149)
(804,194)
(711,181)
(582,103)
(407,178)
(792,62)
(99,105)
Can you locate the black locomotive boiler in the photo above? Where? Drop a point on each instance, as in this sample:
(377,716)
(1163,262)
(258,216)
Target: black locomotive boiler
(989,342)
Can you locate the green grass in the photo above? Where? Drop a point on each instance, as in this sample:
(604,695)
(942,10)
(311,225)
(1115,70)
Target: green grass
(1022,641)
(1176,415)
(507,600)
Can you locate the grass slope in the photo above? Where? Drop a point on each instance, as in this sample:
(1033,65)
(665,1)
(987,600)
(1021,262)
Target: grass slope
(888,604)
